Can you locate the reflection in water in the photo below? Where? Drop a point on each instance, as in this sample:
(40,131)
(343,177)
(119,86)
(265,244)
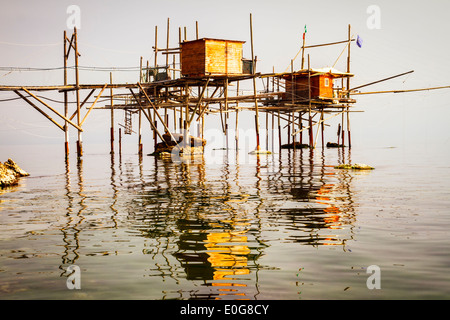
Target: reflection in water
(208,225)
(72,228)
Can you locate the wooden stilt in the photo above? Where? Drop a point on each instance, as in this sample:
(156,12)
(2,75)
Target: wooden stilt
(236,135)
(112,114)
(279,131)
(38,109)
(309,109)
(66,107)
(322,128)
(348,87)
(77,84)
(120,140)
(140,149)
(226,114)
(78,127)
(156,46)
(300,126)
(258,147)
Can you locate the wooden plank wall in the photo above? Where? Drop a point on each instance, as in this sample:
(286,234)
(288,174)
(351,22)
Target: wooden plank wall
(300,87)
(211,56)
(193,58)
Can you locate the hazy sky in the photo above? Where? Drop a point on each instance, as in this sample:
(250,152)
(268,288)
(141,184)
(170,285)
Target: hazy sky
(401,36)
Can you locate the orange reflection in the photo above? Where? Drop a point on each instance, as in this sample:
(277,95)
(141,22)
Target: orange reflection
(228,256)
(333,212)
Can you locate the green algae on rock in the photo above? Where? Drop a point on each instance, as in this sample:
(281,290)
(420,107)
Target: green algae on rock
(356,166)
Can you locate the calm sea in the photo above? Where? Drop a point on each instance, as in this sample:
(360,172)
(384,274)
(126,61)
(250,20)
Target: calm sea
(227,226)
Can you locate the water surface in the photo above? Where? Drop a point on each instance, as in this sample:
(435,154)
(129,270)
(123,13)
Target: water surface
(227,226)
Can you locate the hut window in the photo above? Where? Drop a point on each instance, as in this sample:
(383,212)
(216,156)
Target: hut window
(327,82)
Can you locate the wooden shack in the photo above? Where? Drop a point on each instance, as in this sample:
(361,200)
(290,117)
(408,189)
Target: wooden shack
(320,81)
(208,56)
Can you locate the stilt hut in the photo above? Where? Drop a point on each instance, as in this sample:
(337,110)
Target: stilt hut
(207,56)
(314,84)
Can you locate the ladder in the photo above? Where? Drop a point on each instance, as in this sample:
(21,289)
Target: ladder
(128,122)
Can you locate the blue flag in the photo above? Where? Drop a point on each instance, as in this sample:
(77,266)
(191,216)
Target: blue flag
(359,41)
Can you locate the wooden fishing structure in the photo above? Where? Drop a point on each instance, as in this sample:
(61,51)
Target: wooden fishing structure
(174,99)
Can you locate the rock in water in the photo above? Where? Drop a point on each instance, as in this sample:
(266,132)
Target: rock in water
(10,173)
(356,166)
(168,145)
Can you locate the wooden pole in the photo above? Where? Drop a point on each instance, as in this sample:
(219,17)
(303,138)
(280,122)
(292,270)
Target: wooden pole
(120,141)
(167,42)
(226,109)
(66,107)
(323,127)
(153,124)
(186,140)
(112,114)
(258,147)
(156,112)
(348,87)
(303,51)
(140,70)
(279,122)
(236,135)
(38,109)
(93,104)
(267,130)
(309,109)
(79,142)
(318,128)
(319,122)
(78,127)
(156,46)
(196,29)
(140,134)
(279,131)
